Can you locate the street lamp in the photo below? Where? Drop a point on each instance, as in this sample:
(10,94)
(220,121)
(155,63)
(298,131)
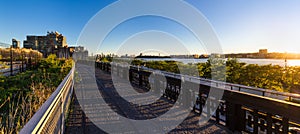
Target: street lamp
(11,61)
(22,60)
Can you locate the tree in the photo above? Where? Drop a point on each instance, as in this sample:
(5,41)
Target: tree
(233,70)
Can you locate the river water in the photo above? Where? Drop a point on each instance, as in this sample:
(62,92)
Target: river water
(281,62)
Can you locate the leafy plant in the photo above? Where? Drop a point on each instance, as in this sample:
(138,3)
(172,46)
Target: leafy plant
(27,91)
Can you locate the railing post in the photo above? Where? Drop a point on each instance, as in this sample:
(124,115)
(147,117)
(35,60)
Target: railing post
(130,75)
(241,118)
(218,115)
(255,121)
(285,125)
(269,123)
(235,116)
(201,100)
(230,116)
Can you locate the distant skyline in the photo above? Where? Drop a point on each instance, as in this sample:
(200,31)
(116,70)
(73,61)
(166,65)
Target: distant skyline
(241,25)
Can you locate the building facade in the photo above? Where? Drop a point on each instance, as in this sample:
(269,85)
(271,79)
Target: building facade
(52,43)
(15,43)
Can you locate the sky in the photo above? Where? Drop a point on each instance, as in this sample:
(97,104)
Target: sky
(240,25)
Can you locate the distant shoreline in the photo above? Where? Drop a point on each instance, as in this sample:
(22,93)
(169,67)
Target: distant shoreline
(268,58)
(160,57)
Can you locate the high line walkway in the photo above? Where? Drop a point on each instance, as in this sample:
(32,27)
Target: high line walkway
(78,122)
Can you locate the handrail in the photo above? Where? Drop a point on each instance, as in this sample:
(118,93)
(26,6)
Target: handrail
(263,92)
(54,105)
(6,71)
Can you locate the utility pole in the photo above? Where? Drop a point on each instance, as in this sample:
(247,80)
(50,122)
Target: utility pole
(11,61)
(22,54)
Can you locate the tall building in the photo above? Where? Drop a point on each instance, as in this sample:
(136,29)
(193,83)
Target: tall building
(52,43)
(263,51)
(15,43)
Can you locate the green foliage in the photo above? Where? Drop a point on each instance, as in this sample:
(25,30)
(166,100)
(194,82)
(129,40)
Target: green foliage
(2,65)
(105,58)
(233,70)
(272,77)
(33,87)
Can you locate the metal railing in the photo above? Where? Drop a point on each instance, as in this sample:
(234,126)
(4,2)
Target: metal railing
(17,69)
(50,118)
(241,109)
(220,84)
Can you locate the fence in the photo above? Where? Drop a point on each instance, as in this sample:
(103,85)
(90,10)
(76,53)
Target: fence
(50,118)
(242,108)
(16,69)
(211,83)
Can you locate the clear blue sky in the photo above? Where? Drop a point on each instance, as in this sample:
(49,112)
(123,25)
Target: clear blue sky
(241,25)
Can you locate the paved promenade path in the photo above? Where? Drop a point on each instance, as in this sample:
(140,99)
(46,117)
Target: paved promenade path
(85,121)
